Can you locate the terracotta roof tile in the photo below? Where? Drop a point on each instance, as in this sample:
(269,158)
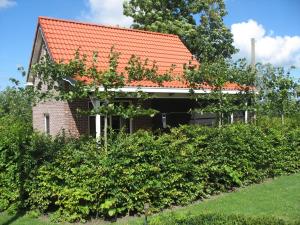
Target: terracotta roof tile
(64,37)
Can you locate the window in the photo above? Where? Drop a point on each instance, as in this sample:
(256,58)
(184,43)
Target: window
(117,123)
(47,123)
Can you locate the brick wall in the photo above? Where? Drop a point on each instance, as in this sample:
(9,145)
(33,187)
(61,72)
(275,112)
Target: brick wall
(76,122)
(62,116)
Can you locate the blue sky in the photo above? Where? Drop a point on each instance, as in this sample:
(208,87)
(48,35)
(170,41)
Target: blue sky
(274,23)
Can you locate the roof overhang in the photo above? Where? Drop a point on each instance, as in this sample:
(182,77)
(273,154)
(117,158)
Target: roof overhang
(160,90)
(163,90)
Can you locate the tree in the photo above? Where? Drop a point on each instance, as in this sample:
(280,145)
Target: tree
(103,85)
(16,101)
(212,39)
(278,91)
(15,130)
(213,77)
(208,38)
(245,77)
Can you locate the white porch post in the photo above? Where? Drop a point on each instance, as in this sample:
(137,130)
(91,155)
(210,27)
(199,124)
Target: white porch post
(246,113)
(231,118)
(98,122)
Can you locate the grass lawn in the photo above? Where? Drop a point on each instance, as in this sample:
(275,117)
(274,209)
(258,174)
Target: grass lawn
(277,198)
(21,220)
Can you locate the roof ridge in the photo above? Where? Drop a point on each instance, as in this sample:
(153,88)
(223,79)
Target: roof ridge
(106,26)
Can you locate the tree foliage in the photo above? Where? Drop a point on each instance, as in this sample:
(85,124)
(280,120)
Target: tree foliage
(16,101)
(217,79)
(278,91)
(199,23)
(88,81)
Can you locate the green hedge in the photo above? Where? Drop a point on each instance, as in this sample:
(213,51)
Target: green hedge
(13,145)
(218,219)
(77,180)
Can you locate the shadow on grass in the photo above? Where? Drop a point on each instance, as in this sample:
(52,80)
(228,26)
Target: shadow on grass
(13,218)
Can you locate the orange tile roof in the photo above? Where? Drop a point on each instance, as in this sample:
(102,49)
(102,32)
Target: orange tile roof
(64,37)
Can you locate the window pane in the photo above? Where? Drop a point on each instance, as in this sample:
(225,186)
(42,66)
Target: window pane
(125,124)
(91,106)
(47,124)
(115,123)
(92,126)
(102,119)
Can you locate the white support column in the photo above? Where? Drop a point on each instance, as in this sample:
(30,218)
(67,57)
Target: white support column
(98,121)
(246,113)
(231,118)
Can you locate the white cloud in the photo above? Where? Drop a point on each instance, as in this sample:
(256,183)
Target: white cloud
(109,12)
(7,3)
(278,50)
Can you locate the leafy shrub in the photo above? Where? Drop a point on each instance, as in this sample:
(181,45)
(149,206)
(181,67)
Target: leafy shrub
(77,179)
(13,142)
(269,122)
(22,152)
(16,102)
(66,181)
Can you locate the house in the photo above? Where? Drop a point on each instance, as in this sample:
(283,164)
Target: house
(61,38)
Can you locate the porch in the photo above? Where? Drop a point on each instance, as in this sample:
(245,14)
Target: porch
(172,112)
